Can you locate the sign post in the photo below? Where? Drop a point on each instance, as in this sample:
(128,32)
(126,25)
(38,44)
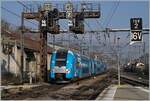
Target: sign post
(136,30)
(69,13)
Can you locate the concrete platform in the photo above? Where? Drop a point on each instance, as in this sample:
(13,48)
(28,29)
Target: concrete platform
(124,92)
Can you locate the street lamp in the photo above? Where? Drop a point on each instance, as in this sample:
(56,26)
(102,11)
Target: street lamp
(118,62)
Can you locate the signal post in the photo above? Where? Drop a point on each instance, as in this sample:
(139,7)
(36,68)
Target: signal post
(48,18)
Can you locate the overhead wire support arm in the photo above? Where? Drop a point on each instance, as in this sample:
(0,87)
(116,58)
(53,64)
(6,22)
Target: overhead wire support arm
(117,30)
(50,24)
(23,5)
(145,31)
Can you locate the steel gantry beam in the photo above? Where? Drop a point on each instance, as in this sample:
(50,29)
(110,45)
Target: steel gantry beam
(107,30)
(62,15)
(145,31)
(111,30)
(49,18)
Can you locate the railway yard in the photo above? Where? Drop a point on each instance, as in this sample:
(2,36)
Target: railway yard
(84,89)
(93,88)
(74,50)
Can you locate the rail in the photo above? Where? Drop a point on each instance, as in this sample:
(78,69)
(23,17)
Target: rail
(135,82)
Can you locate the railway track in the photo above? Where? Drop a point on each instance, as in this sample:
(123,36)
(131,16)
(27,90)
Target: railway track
(30,93)
(94,90)
(86,89)
(129,79)
(134,82)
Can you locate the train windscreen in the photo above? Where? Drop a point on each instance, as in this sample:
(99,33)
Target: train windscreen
(61,58)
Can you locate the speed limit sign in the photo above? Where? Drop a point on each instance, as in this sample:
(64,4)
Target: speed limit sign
(136,29)
(68,8)
(68,14)
(136,35)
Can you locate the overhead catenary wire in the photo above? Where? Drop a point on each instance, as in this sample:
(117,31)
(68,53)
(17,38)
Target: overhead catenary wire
(111,15)
(108,23)
(113,12)
(36,2)
(97,21)
(75,36)
(13,13)
(97,34)
(108,15)
(23,5)
(90,29)
(112,48)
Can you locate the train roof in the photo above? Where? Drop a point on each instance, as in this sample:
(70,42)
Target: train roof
(78,54)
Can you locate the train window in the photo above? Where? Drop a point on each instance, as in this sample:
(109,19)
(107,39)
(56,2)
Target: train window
(61,57)
(60,63)
(94,65)
(78,62)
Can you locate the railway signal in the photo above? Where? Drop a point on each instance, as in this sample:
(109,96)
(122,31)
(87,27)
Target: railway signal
(75,25)
(78,25)
(49,18)
(136,29)
(52,19)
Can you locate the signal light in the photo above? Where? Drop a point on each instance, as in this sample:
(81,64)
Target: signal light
(78,26)
(53,17)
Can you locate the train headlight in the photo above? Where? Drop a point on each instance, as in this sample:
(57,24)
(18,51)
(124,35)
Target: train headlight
(67,71)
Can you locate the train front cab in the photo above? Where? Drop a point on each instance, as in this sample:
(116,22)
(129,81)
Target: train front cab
(62,66)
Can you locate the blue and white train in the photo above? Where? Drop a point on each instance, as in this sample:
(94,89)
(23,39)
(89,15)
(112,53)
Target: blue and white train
(66,66)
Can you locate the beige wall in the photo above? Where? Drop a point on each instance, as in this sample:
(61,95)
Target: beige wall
(37,57)
(48,61)
(15,62)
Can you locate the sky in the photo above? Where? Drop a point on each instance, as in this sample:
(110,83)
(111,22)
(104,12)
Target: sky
(119,18)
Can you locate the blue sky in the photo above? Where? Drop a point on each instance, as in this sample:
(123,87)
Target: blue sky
(120,19)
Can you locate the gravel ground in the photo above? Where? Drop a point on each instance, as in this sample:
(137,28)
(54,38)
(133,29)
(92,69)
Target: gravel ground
(82,90)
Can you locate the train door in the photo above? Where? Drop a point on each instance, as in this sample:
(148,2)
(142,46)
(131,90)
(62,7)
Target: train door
(99,67)
(95,67)
(85,67)
(92,67)
(90,71)
(78,66)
